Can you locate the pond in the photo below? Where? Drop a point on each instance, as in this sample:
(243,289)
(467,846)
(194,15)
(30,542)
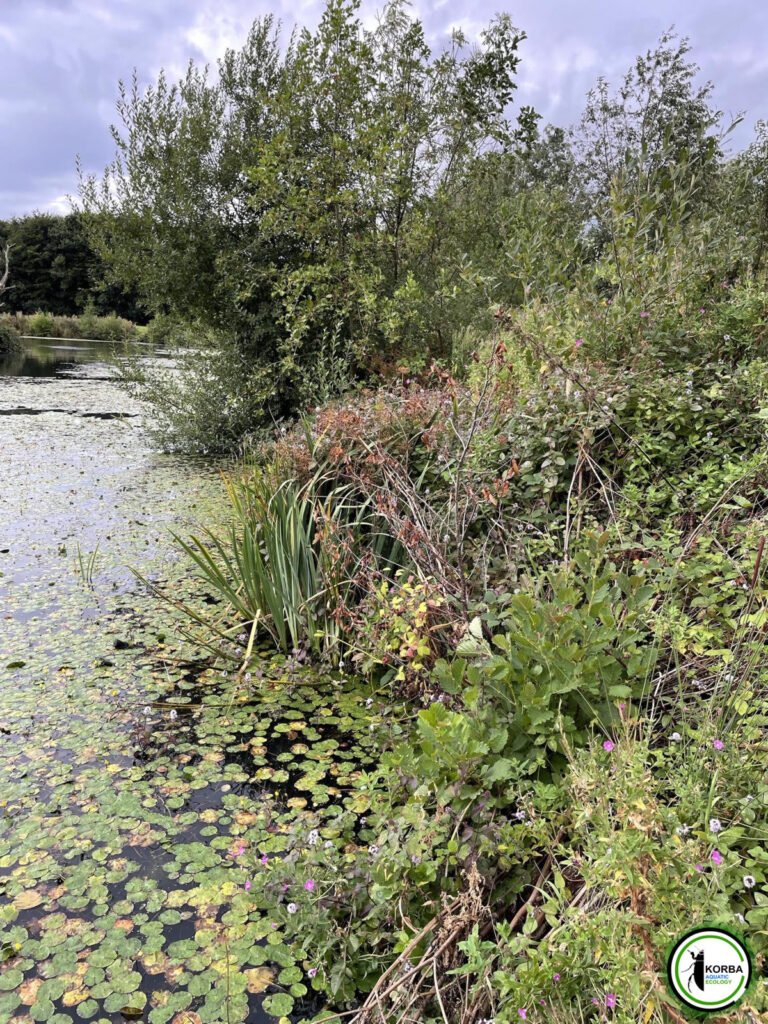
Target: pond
(140,783)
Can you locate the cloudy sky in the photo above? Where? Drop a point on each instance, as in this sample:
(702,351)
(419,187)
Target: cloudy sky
(60,61)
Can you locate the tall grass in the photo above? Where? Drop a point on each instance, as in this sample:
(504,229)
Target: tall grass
(294,558)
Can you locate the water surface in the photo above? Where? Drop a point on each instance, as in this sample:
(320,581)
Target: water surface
(133,766)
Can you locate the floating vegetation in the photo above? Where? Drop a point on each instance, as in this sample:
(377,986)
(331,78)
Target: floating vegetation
(131,768)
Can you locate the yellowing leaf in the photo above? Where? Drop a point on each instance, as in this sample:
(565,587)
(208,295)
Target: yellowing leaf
(258,979)
(28,991)
(75,996)
(27,900)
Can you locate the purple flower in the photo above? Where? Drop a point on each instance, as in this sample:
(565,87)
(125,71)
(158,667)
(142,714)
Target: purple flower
(264,859)
(312,972)
(522,1013)
(579,342)
(555,977)
(239,851)
(698,867)
(610,1000)
(718,745)
(309,885)
(717,857)
(247,886)
(644,314)
(608,745)
(285,887)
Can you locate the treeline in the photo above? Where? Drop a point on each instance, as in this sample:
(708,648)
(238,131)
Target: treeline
(54,269)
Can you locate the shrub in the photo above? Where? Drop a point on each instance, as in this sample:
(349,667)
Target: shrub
(165,332)
(401,622)
(40,325)
(9,339)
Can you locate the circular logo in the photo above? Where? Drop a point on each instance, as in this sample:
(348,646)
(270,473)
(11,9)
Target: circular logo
(709,969)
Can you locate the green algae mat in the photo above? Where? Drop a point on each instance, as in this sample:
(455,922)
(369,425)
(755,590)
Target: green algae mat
(145,794)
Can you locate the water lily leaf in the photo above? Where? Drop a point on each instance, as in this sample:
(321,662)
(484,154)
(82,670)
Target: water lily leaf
(258,979)
(279,1004)
(10,980)
(28,899)
(135,1006)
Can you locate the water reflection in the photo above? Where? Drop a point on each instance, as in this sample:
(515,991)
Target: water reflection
(51,358)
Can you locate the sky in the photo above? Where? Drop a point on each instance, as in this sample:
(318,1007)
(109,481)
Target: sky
(60,62)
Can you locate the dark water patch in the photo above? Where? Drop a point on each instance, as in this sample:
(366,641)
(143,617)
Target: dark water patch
(21,411)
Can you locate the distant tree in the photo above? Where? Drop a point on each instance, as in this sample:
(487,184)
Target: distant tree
(6,269)
(57,271)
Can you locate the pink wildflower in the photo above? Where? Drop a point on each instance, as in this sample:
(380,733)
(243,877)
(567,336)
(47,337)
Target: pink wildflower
(309,885)
(717,857)
(608,745)
(247,886)
(718,745)
(579,342)
(522,1013)
(610,1000)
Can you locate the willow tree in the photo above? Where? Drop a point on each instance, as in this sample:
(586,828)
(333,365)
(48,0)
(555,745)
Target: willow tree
(292,204)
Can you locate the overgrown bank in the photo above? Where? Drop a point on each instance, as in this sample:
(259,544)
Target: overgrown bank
(518,485)
(563,582)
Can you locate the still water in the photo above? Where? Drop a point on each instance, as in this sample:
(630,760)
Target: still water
(140,783)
